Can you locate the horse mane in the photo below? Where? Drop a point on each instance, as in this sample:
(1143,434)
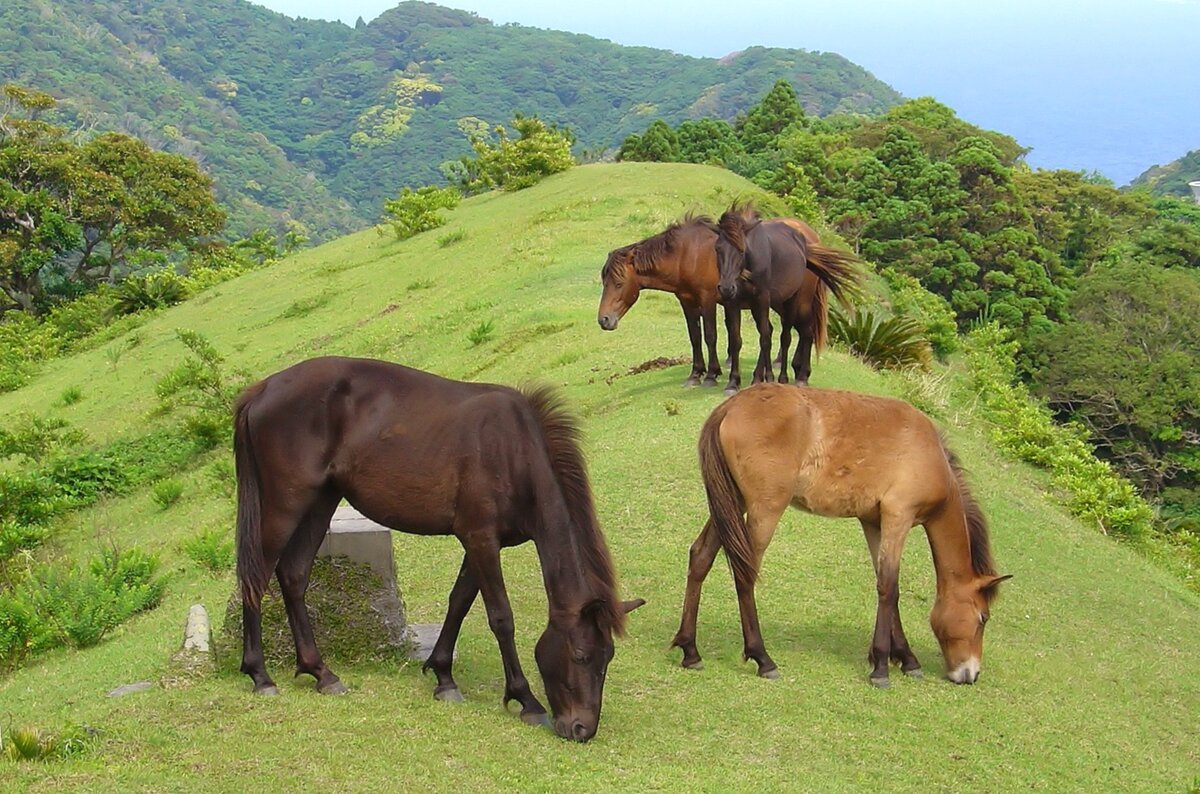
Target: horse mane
(736,221)
(644,254)
(977,529)
(560,430)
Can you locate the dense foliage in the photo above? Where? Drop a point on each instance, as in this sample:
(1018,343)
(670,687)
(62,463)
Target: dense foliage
(1172,179)
(316,122)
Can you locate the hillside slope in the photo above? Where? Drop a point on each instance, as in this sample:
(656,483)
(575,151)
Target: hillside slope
(1172,179)
(319,122)
(1087,683)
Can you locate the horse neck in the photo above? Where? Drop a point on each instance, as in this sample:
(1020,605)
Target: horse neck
(950,544)
(566,571)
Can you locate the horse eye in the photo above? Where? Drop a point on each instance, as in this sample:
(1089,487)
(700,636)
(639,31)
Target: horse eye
(983,618)
(582,658)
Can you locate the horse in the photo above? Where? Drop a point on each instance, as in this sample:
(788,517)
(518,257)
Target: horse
(774,259)
(419,453)
(842,454)
(682,260)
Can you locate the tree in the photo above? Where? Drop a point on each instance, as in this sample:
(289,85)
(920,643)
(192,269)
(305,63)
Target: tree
(1127,366)
(764,122)
(540,150)
(658,144)
(75,215)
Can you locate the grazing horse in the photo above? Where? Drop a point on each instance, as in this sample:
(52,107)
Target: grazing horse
(682,260)
(774,259)
(841,454)
(415,452)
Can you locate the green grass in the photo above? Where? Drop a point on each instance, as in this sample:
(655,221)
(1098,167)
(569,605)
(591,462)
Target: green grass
(1088,681)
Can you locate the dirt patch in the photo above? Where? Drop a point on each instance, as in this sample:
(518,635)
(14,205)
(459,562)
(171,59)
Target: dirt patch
(662,362)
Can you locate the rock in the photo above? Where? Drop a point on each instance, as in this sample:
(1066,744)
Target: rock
(126,689)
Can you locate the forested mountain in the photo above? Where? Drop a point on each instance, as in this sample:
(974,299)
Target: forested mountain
(1172,179)
(319,122)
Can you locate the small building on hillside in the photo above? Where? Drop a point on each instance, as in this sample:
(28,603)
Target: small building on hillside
(1195,186)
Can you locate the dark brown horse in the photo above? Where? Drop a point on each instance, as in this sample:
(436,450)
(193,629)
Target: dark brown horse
(836,453)
(418,453)
(682,260)
(774,260)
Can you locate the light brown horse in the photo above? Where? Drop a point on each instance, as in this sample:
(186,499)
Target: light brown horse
(841,454)
(418,453)
(682,260)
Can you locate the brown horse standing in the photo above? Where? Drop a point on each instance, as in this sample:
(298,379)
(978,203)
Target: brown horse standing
(682,260)
(840,454)
(422,454)
(774,260)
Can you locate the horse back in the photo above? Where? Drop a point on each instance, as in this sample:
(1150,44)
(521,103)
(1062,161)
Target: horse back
(837,453)
(405,447)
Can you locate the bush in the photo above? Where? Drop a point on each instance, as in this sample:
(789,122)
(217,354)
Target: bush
(888,343)
(22,630)
(1026,430)
(201,383)
(166,492)
(540,150)
(81,605)
(155,290)
(416,211)
(930,311)
(34,744)
(212,550)
(35,437)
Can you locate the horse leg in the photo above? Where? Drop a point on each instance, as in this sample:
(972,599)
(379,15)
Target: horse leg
(763,371)
(762,517)
(691,314)
(700,560)
(483,556)
(786,321)
(276,531)
(802,361)
(733,334)
(894,530)
(462,596)
(708,316)
(293,571)
(901,653)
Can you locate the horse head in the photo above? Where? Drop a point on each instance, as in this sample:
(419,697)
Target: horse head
(735,223)
(620,287)
(958,619)
(572,656)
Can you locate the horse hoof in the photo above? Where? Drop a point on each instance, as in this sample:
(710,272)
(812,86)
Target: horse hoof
(914,673)
(691,383)
(268,691)
(536,719)
(730,392)
(449,694)
(333,688)
(881,683)
(770,675)
(696,665)
(709,382)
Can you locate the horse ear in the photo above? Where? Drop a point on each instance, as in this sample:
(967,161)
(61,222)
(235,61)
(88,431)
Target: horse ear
(632,604)
(991,586)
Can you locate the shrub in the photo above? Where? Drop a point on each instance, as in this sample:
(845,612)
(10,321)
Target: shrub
(930,311)
(416,211)
(155,290)
(16,536)
(540,150)
(201,383)
(1026,429)
(28,743)
(166,492)
(22,630)
(481,333)
(212,550)
(81,605)
(35,437)
(888,343)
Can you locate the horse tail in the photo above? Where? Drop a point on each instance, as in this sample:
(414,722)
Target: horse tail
(818,316)
(837,270)
(560,432)
(251,567)
(977,529)
(725,503)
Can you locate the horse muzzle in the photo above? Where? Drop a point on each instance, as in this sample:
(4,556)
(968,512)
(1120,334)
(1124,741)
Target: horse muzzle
(965,673)
(728,291)
(608,322)
(574,729)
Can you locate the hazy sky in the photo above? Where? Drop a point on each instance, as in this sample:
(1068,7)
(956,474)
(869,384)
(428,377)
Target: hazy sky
(1092,84)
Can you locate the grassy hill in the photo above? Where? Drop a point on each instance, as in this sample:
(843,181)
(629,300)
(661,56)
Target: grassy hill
(1088,678)
(318,122)
(1172,179)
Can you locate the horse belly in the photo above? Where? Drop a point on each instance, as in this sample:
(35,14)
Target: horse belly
(400,489)
(836,494)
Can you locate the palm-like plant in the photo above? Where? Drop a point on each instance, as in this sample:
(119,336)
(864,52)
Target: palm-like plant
(883,342)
